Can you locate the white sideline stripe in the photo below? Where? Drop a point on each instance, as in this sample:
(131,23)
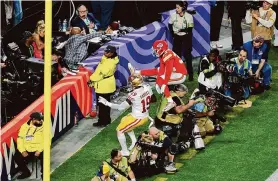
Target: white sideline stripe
(273,177)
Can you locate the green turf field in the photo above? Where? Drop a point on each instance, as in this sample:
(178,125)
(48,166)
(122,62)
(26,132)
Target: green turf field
(247,149)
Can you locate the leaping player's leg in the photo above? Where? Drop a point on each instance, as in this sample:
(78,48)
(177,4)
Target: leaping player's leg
(128,123)
(122,141)
(133,139)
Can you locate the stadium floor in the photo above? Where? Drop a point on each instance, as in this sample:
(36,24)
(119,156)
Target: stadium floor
(246,150)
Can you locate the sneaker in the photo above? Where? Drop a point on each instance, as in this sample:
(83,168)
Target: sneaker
(169,106)
(24,175)
(171,167)
(125,153)
(213,44)
(218,45)
(131,68)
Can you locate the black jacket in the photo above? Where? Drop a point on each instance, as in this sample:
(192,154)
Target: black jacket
(78,22)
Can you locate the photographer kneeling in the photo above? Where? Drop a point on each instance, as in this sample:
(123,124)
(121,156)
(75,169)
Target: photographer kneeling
(236,84)
(209,77)
(205,110)
(119,167)
(160,138)
(174,121)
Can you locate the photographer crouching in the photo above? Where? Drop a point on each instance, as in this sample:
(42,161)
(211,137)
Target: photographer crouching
(177,121)
(236,83)
(257,54)
(205,110)
(209,77)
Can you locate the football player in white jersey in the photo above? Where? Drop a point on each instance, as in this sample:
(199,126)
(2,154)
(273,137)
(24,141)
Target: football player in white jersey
(139,100)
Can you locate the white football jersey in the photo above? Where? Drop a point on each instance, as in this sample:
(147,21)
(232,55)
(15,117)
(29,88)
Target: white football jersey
(140,99)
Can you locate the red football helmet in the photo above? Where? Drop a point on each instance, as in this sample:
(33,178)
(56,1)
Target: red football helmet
(159,47)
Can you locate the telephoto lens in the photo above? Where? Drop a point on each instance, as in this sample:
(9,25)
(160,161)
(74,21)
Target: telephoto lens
(198,140)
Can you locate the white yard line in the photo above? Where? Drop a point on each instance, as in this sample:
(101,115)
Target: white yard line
(273,177)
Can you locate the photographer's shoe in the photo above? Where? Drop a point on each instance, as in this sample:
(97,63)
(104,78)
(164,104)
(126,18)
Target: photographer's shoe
(218,45)
(171,167)
(213,44)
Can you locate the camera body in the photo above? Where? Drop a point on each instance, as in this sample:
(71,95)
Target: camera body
(254,5)
(226,100)
(225,66)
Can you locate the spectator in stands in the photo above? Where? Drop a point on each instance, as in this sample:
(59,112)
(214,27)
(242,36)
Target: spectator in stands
(76,47)
(103,11)
(85,21)
(181,25)
(209,77)
(103,173)
(216,15)
(257,55)
(30,144)
(262,22)
(119,167)
(104,82)
(63,69)
(25,44)
(161,138)
(38,37)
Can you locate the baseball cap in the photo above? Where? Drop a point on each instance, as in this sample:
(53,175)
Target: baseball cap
(270,1)
(110,49)
(258,38)
(103,169)
(36,115)
(26,35)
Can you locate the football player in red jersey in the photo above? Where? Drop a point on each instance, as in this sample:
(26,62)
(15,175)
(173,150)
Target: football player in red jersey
(171,70)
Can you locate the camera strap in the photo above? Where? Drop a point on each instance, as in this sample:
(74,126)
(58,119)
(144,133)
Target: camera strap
(116,169)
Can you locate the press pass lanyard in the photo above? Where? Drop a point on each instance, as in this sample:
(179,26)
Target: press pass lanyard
(33,132)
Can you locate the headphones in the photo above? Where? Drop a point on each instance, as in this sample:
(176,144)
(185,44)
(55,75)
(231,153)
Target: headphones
(77,12)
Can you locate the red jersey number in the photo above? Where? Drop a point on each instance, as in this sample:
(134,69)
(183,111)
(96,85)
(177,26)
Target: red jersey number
(146,104)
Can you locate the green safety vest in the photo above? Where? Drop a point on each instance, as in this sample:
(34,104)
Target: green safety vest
(245,64)
(170,118)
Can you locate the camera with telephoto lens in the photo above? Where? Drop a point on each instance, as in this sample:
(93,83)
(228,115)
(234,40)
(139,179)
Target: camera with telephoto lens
(226,100)
(225,66)
(254,5)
